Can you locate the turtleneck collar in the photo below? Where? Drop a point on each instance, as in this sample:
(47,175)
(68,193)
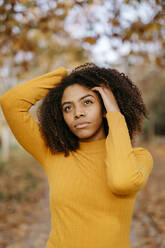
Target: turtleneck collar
(96,145)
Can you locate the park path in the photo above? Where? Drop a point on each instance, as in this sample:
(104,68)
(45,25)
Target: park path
(36,234)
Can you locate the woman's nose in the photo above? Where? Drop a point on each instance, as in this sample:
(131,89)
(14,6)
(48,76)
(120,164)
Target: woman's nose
(79,112)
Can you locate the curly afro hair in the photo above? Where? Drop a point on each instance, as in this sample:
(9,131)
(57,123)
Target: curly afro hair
(57,135)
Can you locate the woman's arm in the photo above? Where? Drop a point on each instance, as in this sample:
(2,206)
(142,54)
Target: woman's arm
(127,168)
(16,103)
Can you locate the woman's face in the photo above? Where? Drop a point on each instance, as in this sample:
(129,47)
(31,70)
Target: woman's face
(82,105)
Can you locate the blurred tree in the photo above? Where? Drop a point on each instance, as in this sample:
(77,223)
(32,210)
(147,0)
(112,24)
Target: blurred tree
(150,80)
(158,109)
(39,35)
(32,37)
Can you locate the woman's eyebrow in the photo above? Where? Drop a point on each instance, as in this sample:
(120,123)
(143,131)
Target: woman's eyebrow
(79,99)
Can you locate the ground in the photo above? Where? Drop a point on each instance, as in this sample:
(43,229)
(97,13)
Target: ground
(24,204)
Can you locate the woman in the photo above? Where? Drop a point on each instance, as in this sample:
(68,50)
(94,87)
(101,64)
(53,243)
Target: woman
(87,122)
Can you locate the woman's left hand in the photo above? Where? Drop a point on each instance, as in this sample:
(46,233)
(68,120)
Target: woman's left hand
(109,100)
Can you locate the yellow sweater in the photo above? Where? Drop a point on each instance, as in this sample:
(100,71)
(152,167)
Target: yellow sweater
(92,192)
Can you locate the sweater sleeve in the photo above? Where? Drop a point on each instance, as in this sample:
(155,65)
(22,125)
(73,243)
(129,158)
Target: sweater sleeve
(127,168)
(16,103)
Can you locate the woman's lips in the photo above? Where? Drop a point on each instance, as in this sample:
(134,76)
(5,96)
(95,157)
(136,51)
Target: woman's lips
(82,125)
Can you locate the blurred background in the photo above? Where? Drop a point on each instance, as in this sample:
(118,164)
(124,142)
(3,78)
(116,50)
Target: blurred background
(39,36)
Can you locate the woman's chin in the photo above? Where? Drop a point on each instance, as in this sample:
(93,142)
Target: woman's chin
(83,135)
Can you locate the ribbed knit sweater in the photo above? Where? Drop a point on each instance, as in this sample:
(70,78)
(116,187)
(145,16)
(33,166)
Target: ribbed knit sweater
(92,191)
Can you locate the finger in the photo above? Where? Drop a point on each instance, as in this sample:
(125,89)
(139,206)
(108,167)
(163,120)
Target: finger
(95,88)
(99,88)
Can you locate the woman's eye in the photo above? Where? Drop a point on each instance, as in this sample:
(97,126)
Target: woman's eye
(89,101)
(65,109)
